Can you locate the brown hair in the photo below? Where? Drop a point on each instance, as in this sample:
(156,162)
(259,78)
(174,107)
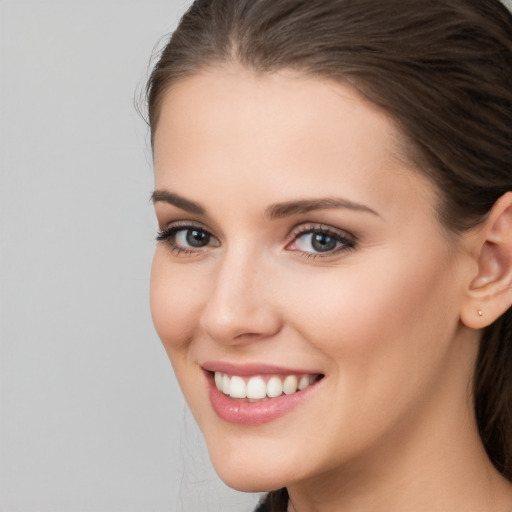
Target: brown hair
(441,68)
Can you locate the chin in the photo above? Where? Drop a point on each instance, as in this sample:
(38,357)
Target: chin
(248,474)
(249,481)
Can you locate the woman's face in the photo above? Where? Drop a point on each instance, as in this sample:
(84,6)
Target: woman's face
(298,250)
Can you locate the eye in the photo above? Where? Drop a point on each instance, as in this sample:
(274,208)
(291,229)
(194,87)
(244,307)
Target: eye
(320,241)
(186,239)
(192,238)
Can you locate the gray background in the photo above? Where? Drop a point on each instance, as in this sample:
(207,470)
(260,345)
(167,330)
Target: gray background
(91,418)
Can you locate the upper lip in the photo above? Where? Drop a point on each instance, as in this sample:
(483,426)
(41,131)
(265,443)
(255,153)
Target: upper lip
(248,369)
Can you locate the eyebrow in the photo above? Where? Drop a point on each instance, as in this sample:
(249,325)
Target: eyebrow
(274,211)
(178,201)
(280,210)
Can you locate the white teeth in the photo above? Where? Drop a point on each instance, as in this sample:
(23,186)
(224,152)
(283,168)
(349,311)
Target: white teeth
(274,387)
(303,382)
(256,388)
(218,380)
(237,388)
(290,385)
(260,387)
(225,384)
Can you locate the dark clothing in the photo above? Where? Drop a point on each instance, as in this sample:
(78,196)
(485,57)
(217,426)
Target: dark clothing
(275,501)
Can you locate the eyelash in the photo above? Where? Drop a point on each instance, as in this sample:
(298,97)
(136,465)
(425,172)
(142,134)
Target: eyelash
(168,235)
(346,242)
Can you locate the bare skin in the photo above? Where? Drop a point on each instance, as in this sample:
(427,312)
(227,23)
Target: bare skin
(387,314)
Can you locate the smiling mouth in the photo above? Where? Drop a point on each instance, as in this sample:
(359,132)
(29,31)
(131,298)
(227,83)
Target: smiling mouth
(259,388)
(253,394)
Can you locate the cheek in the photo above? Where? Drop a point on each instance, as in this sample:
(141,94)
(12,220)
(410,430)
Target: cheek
(386,309)
(176,300)
(384,330)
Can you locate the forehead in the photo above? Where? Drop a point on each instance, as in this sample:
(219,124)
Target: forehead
(213,99)
(282,130)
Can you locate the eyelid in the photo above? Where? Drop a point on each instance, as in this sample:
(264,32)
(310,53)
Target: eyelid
(307,227)
(347,239)
(183,224)
(167,235)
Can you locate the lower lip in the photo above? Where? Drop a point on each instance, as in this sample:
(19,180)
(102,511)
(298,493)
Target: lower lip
(240,412)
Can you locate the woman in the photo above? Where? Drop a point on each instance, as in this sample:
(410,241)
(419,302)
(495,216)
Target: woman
(332,279)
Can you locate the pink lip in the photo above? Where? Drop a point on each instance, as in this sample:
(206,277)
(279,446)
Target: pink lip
(240,412)
(247,370)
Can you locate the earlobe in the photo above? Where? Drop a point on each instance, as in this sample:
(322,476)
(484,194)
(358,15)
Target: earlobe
(489,293)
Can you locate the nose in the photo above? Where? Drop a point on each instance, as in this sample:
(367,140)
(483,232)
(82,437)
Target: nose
(240,306)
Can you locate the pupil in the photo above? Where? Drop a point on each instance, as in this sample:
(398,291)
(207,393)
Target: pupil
(323,243)
(197,238)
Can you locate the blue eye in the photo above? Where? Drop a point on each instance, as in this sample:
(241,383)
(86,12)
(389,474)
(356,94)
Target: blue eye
(312,241)
(320,241)
(186,238)
(192,238)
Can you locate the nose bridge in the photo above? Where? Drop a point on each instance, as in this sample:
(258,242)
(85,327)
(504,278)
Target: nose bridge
(239,307)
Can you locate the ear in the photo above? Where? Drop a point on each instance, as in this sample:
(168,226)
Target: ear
(489,293)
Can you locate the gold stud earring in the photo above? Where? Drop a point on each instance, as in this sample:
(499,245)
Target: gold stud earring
(480,313)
